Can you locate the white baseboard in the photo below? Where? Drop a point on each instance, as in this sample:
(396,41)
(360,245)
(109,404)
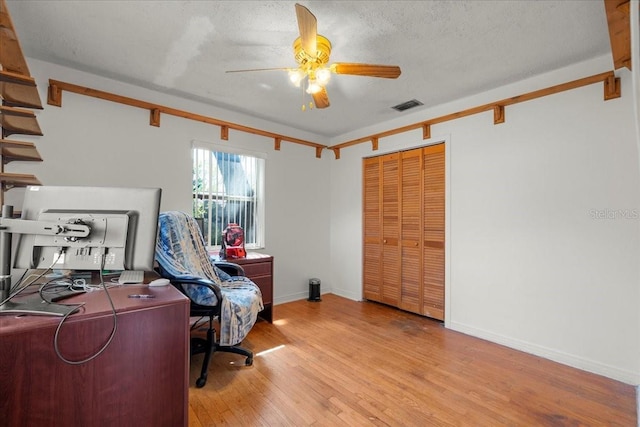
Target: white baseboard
(291,297)
(346,294)
(574,361)
(304,295)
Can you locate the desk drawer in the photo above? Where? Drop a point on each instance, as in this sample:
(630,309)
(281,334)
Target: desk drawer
(257,269)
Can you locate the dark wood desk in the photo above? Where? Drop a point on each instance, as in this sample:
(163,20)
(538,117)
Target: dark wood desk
(259,268)
(141,379)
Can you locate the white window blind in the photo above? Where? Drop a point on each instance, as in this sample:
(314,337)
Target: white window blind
(228,187)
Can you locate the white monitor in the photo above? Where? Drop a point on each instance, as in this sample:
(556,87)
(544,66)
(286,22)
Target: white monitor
(123,226)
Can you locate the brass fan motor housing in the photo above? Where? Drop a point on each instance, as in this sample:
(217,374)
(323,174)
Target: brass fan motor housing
(322,55)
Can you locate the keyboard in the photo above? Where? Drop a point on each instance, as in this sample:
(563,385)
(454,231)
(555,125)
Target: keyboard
(131,276)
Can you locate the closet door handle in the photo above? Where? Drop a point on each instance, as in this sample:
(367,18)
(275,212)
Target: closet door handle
(384,241)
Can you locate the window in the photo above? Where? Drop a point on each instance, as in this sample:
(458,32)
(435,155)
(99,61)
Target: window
(228,187)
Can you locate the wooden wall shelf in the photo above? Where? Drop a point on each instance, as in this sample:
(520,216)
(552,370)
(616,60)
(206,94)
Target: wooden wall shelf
(17,91)
(11,180)
(18,121)
(18,150)
(619,22)
(11,56)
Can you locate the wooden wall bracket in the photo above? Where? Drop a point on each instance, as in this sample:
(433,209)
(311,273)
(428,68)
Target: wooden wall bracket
(54,95)
(224,133)
(276,143)
(154,117)
(374,143)
(426,131)
(498,114)
(336,152)
(612,87)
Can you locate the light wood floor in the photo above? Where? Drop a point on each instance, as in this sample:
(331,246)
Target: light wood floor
(344,363)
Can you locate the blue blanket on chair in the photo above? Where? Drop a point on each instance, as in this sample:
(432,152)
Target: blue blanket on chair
(181,252)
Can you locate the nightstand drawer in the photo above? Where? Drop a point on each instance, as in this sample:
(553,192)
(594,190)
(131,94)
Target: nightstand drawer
(259,269)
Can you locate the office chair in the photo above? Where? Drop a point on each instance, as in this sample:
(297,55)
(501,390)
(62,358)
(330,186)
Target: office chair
(216,290)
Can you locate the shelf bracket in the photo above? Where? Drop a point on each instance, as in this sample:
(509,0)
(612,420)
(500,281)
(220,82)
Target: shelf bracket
(54,95)
(154,117)
(611,87)
(498,114)
(374,143)
(426,131)
(276,143)
(336,152)
(224,133)
(319,152)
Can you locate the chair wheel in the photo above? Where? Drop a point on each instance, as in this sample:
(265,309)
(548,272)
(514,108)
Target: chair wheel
(249,361)
(200,382)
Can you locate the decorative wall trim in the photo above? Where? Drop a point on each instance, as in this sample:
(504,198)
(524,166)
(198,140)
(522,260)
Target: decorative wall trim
(610,81)
(611,91)
(54,97)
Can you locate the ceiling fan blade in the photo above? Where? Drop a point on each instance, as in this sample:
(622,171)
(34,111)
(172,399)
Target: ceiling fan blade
(370,70)
(321,99)
(258,69)
(308,26)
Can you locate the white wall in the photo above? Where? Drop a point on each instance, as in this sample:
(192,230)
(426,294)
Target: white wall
(94,142)
(528,264)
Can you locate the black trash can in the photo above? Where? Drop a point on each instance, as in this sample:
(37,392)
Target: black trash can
(314,290)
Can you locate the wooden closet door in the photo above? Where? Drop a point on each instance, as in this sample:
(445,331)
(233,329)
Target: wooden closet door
(433,231)
(390,229)
(372,229)
(411,231)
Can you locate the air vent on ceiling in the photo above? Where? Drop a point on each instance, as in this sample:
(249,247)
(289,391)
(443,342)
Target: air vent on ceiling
(406,105)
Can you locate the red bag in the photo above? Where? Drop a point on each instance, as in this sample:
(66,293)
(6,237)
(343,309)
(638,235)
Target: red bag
(232,242)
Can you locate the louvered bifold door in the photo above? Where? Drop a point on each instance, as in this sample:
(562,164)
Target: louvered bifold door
(411,231)
(372,230)
(433,231)
(390,229)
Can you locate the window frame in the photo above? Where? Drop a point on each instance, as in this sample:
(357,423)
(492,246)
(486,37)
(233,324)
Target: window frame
(259,219)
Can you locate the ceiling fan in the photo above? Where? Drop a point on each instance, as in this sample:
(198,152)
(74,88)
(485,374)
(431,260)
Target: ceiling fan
(312,51)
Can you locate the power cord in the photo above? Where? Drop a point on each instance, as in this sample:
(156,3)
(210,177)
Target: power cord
(66,286)
(111,335)
(21,287)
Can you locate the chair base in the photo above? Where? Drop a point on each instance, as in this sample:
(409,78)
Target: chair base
(208,347)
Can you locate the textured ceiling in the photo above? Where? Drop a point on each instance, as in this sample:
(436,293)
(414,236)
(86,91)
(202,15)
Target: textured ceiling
(446,49)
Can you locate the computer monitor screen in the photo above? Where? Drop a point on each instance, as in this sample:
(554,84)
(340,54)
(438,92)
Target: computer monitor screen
(123,226)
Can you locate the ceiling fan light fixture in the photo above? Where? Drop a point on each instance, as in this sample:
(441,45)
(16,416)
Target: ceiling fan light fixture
(323,75)
(296,76)
(314,87)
